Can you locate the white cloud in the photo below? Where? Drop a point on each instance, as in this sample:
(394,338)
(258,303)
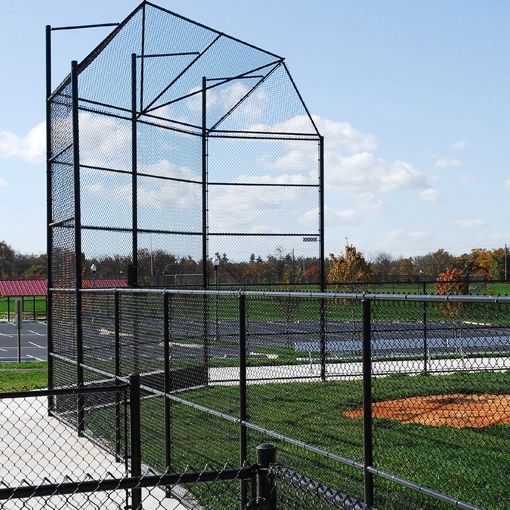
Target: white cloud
(459,145)
(468,223)
(430,195)
(31,147)
(364,172)
(506,184)
(369,202)
(3,183)
(96,189)
(104,141)
(446,163)
(332,216)
(155,194)
(337,135)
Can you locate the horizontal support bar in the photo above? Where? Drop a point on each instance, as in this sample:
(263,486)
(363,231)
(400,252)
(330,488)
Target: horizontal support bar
(229,78)
(78,27)
(139,230)
(63,391)
(211,134)
(248,184)
(259,234)
(115,484)
(417,298)
(154,55)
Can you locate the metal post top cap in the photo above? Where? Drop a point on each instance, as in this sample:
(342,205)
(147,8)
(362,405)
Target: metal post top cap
(266,446)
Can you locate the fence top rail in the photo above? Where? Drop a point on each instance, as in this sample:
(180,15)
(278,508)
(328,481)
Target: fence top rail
(353,296)
(244,472)
(75,390)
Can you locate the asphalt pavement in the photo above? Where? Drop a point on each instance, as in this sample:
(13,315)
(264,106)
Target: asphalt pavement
(33,341)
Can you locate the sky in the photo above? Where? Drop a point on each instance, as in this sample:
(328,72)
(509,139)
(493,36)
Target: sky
(412,98)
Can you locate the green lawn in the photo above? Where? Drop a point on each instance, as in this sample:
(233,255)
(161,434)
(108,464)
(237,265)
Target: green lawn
(23,376)
(28,307)
(470,464)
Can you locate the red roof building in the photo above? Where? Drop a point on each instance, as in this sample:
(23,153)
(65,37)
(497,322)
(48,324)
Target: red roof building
(30,288)
(19,288)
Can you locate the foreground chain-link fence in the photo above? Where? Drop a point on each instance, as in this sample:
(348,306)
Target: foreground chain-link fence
(45,463)
(387,398)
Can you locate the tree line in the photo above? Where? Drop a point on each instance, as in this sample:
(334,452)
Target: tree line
(19,265)
(351,265)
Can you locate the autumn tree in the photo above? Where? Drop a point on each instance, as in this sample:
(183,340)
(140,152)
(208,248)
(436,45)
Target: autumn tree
(451,282)
(349,267)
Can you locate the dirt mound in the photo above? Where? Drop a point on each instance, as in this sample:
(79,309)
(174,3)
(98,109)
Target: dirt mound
(457,410)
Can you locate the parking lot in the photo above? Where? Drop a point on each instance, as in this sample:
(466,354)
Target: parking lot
(33,341)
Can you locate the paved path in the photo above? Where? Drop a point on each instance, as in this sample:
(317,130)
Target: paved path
(36,449)
(341,371)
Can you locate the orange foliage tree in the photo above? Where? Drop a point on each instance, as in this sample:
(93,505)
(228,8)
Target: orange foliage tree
(451,282)
(349,267)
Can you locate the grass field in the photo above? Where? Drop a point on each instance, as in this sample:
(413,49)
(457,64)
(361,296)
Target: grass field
(28,307)
(23,376)
(470,464)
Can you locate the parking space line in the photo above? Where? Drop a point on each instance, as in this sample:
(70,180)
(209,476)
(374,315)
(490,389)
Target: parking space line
(37,345)
(5,334)
(34,357)
(35,332)
(4,350)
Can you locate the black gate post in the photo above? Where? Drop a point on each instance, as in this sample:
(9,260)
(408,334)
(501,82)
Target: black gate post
(266,489)
(135,439)
(77,243)
(367,402)
(8,309)
(243,415)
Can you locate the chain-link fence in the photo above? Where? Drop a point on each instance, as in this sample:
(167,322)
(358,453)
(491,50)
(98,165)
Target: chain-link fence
(172,141)
(47,462)
(383,397)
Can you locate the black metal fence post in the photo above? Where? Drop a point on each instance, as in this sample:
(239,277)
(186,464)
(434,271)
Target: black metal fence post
(243,415)
(322,268)
(77,245)
(135,438)
(49,217)
(117,373)
(8,309)
(425,339)
(266,488)
(167,384)
(367,401)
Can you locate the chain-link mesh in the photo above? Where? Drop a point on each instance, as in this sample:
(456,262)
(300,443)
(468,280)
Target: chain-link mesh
(163,179)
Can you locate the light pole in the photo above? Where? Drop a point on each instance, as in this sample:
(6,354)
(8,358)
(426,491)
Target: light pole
(506,258)
(216,263)
(93,270)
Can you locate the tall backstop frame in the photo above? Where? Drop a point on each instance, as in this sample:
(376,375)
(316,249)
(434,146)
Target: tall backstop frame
(170,138)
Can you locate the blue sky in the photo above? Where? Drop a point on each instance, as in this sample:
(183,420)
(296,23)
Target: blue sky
(412,99)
